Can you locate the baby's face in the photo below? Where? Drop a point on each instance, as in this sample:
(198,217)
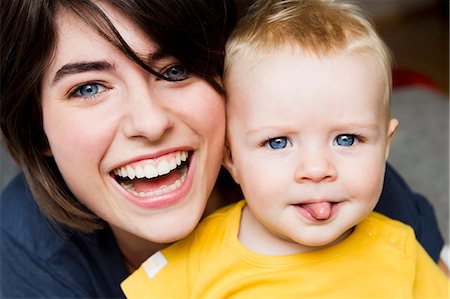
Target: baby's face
(309,139)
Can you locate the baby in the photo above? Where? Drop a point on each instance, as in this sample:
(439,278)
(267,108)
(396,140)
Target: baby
(308,94)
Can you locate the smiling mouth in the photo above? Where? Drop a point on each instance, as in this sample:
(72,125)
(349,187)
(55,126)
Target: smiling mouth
(151,178)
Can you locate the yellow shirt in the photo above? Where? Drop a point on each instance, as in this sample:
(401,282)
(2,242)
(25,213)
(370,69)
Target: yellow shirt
(381,258)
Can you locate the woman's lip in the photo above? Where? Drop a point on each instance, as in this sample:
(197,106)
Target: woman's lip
(151,168)
(152,156)
(166,199)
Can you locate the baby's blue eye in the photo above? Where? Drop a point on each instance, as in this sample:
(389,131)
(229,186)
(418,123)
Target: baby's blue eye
(88,90)
(278,142)
(176,73)
(344,140)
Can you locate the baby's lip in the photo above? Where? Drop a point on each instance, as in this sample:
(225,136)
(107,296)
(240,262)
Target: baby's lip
(318,210)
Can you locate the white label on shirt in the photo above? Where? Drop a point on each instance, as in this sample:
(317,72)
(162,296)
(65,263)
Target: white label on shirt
(154,264)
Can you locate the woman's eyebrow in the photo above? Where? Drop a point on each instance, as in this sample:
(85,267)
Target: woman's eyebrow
(80,67)
(156,56)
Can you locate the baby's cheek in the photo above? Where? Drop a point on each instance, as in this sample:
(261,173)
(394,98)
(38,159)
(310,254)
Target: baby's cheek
(368,180)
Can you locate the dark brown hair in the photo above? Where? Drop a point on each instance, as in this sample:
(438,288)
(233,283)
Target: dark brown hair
(194,32)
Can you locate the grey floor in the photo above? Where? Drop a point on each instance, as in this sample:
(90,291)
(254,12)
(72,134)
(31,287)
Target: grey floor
(420,150)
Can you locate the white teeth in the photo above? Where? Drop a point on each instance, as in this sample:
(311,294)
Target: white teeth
(140,173)
(150,170)
(184,156)
(172,164)
(131,172)
(163,168)
(159,191)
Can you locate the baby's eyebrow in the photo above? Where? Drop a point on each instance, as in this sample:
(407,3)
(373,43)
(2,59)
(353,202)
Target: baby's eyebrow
(80,67)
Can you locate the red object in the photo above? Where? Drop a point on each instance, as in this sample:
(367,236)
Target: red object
(403,78)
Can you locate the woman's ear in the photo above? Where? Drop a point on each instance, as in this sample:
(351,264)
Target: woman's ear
(229,163)
(392,129)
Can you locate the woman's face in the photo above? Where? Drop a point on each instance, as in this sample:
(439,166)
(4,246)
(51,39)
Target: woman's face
(140,152)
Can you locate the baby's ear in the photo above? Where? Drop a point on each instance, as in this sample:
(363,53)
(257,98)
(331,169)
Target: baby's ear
(229,163)
(392,129)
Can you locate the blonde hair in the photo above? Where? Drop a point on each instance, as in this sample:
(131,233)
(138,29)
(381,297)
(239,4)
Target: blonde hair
(320,27)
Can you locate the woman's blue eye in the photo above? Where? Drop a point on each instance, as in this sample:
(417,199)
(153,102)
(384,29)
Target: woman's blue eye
(88,90)
(176,73)
(345,140)
(278,142)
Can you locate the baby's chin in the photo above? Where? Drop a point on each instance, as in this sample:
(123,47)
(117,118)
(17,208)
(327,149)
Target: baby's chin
(324,241)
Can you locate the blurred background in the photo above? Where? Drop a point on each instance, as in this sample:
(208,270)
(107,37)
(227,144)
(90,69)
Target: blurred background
(417,31)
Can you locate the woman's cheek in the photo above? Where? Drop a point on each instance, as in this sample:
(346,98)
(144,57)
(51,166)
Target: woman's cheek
(210,109)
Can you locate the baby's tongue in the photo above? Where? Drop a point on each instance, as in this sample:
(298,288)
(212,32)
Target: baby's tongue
(319,210)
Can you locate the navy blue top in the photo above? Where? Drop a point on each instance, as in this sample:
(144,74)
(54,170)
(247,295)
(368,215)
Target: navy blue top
(42,260)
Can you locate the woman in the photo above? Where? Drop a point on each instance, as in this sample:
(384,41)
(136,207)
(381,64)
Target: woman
(114,110)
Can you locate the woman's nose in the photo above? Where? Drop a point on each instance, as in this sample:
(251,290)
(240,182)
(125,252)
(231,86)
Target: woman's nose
(146,116)
(315,166)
